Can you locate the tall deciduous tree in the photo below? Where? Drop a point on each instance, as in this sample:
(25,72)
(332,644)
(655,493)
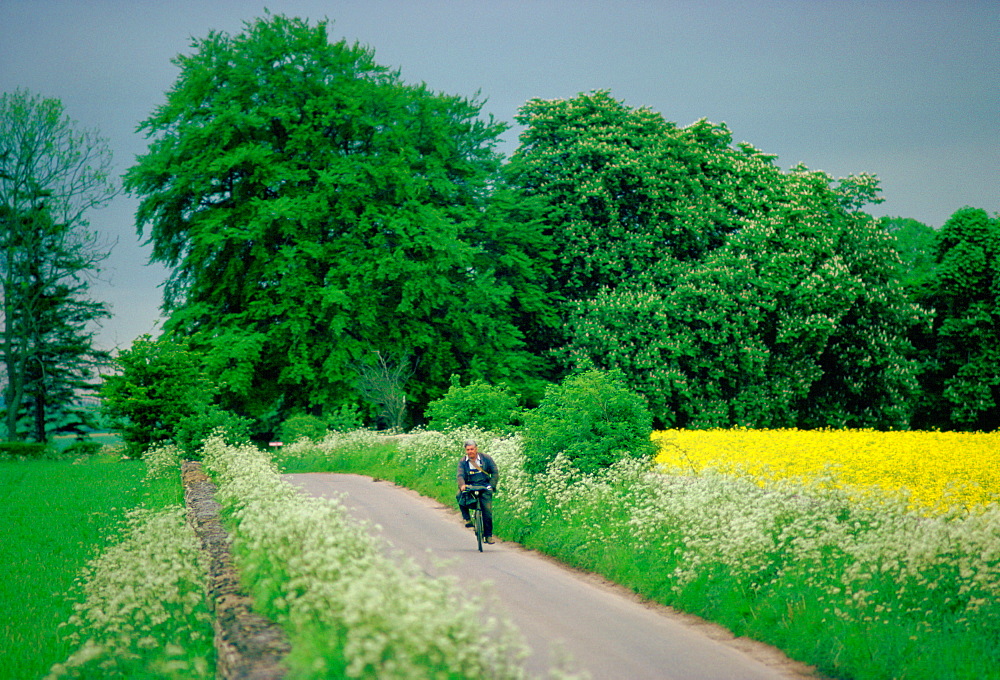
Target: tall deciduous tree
(725,290)
(318,211)
(51,174)
(961,353)
(796,322)
(627,193)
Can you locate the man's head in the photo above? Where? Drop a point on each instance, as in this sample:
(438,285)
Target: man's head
(471,449)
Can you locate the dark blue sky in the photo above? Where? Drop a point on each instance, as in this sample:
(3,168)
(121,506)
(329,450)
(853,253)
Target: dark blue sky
(908,90)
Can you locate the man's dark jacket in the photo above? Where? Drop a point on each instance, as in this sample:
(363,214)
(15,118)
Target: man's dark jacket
(468,475)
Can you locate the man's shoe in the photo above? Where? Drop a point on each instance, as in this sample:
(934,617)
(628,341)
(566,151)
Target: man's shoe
(469,525)
(489,539)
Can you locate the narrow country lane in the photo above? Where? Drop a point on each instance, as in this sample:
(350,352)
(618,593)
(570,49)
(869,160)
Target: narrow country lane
(604,629)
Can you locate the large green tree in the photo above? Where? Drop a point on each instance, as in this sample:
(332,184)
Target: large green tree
(51,174)
(796,322)
(318,212)
(59,335)
(960,378)
(626,193)
(727,291)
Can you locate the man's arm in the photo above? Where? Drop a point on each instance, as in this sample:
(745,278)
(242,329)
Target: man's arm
(460,479)
(494,473)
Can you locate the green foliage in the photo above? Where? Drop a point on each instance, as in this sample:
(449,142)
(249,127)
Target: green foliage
(51,175)
(625,191)
(478,404)
(207,421)
(303,426)
(592,418)
(796,322)
(725,290)
(915,243)
(83,447)
(345,419)
(314,209)
(23,449)
(961,352)
(160,384)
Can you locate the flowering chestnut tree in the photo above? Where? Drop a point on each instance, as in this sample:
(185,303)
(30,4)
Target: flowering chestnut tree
(727,291)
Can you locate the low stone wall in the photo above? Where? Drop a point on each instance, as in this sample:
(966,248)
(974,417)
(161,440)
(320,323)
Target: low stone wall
(249,646)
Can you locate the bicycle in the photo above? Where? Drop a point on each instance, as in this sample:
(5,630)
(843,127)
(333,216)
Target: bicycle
(476,512)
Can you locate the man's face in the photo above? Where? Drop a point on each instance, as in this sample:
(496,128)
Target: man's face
(471,451)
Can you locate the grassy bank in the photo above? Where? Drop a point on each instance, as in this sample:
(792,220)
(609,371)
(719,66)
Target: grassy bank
(348,609)
(860,587)
(141,609)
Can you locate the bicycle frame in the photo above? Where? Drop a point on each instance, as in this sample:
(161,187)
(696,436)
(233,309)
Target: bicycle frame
(477,513)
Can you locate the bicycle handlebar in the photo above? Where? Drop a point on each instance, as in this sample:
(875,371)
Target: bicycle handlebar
(478,488)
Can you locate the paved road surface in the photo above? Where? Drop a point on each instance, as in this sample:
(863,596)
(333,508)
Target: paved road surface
(605,630)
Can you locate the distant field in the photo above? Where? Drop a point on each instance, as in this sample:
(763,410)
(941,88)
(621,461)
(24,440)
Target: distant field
(934,471)
(108,438)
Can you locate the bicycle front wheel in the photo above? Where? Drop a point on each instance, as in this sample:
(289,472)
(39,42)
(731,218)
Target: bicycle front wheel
(479,527)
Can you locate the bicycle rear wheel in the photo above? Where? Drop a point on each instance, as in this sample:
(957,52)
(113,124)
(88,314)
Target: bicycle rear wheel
(479,525)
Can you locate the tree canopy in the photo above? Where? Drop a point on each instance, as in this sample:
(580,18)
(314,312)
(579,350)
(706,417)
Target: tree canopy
(51,174)
(159,383)
(915,245)
(339,238)
(626,193)
(319,213)
(725,290)
(961,351)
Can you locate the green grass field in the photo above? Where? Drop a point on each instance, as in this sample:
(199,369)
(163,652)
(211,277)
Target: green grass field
(56,515)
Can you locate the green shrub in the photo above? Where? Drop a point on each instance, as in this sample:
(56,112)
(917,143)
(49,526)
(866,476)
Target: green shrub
(478,405)
(592,418)
(208,420)
(158,384)
(302,426)
(23,449)
(347,419)
(83,447)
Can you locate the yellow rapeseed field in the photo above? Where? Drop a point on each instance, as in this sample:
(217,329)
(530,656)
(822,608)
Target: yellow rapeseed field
(937,470)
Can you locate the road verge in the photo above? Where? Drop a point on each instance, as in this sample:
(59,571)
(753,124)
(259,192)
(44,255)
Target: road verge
(248,646)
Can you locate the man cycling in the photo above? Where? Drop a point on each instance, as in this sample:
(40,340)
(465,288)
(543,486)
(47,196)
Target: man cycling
(475,468)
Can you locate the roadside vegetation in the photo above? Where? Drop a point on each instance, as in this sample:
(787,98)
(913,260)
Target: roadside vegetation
(141,609)
(860,586)
(833,563)
(349,609)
